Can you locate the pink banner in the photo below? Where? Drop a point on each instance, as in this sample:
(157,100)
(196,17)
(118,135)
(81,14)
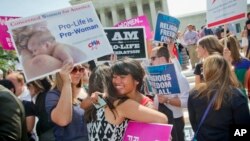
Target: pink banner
(137,21)
(5,40)
(138,131)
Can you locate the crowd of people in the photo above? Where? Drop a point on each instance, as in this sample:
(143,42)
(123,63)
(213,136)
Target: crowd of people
(66,106)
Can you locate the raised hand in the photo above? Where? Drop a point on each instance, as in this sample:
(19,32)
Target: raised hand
(65,72)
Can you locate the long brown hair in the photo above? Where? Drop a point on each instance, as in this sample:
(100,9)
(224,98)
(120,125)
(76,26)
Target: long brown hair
(233,45)
(218,77)
(211,44)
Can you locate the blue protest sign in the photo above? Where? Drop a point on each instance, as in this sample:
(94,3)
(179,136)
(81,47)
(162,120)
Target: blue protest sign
(166,27)
(163,79)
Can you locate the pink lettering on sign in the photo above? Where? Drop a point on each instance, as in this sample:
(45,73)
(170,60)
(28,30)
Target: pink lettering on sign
(5,39)
(137,21)
(138,131)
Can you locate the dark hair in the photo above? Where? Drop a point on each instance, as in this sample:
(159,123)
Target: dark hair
(129,66)
(163,52)
(248,30)
(42,85)
(248,21)
(92,65)
(8,84)
(222,30)
(101,80)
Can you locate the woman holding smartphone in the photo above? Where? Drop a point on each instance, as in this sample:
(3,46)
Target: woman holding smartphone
(109,122)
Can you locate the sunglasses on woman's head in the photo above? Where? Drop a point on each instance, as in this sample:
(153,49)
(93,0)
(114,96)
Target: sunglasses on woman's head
(75,70)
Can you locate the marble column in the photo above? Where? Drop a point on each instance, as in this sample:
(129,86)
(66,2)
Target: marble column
(114,15)
(164,6)
(127,11)
(139,7)
(103,17)
(153,12)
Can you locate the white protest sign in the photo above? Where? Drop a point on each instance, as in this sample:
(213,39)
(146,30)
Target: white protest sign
(69,34)
(221,12)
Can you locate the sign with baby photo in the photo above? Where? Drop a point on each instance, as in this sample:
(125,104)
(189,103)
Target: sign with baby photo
(166,27)
(138,131)
(126,42)
(46,41)
(163,79)
(5,40)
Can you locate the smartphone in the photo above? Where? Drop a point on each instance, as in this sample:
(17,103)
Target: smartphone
(101,103)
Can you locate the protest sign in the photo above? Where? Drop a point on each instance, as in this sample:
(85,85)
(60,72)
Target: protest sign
(137,21)
(166,27)
(5,40)
(221,12)
(65,35)
(163,79)
(126,42)
(138,131)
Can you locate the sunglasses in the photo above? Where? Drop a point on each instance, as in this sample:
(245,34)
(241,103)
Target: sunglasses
(153,58)
(75,70)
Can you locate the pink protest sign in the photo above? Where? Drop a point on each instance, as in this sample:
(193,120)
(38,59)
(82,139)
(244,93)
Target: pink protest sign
(137,21)
(4,35)
(138,131)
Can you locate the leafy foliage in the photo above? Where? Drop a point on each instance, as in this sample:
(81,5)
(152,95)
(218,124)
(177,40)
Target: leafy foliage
(7,59)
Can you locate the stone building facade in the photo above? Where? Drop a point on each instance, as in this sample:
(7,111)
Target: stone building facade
(111,12)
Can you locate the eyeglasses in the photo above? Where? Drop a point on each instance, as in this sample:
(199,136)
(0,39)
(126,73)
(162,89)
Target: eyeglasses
(75,70)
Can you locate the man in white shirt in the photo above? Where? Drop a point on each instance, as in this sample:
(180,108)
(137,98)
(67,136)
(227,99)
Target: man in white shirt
(172,105)
(191,37)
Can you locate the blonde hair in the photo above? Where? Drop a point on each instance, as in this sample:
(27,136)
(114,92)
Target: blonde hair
(58,82)
(18,76)
(218,77)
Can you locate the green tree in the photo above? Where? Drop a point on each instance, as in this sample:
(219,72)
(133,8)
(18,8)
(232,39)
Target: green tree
(7,59)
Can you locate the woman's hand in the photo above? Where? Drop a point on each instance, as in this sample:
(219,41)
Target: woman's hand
(162,99)
(94,97)
(171,46)
(65,72)
(227,55)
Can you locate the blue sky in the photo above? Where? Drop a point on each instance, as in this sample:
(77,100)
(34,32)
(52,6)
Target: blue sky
(24,8)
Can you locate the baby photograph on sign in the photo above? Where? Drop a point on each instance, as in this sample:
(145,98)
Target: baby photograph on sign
(45,42)
(36,42)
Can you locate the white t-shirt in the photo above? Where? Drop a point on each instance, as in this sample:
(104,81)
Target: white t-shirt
(244,42)
(25,95)
(184,88)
